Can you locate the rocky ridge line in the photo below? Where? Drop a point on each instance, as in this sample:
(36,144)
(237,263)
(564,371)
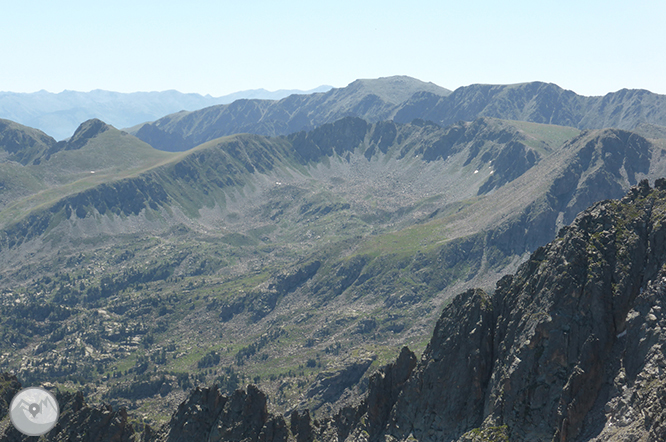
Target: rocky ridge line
(536,102)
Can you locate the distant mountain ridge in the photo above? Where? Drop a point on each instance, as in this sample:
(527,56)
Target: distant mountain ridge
(539,102)
(263,94)
(60,114)
(404,99)
(373,100)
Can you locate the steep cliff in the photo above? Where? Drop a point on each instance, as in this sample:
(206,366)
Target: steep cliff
(568,348)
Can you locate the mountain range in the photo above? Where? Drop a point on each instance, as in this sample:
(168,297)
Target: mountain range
(302,261)
(376,100)
(60,114)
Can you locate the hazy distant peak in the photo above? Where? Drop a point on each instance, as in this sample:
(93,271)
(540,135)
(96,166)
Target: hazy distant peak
(263,94)
(395,89)
(59,114)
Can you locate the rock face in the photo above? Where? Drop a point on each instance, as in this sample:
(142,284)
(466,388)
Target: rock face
(569,348)
(330,385)
(459,361)
(209,416)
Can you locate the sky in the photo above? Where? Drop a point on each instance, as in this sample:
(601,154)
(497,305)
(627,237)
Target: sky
(219,47)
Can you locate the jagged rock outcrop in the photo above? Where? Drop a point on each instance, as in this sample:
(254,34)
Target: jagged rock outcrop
(559,339)
(383,392)
(330,385)
(569,348)
(467,345)
(208,416)
(195,417)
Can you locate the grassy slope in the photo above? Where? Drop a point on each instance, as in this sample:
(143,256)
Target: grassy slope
(112,155)
(21,143)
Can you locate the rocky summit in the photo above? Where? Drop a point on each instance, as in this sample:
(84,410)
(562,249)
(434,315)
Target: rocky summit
(569,348)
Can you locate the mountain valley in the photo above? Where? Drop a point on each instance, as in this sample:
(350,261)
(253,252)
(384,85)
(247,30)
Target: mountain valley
(303,256)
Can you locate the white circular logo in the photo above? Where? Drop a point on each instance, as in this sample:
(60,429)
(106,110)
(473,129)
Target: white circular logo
(34,411)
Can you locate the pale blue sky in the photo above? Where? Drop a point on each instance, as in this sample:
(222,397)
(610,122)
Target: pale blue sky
(219,47)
